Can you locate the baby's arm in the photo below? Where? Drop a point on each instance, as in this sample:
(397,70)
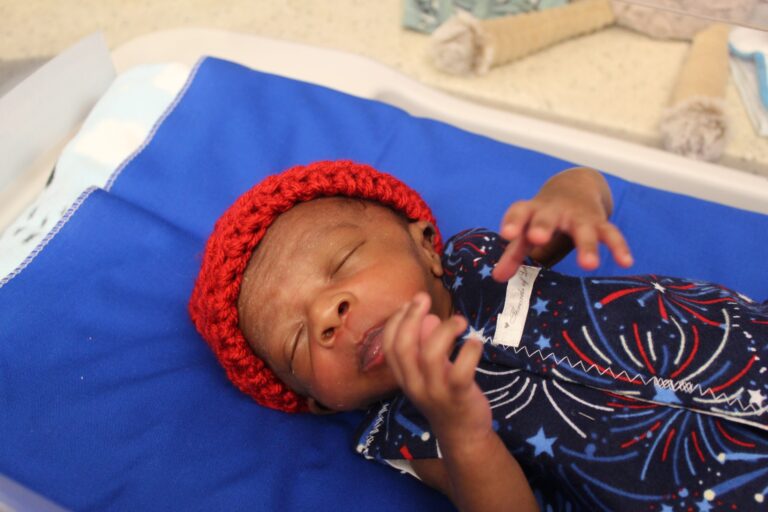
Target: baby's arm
(477,471)
(570,210)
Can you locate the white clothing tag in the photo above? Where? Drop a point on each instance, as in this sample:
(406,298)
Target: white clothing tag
(509,325)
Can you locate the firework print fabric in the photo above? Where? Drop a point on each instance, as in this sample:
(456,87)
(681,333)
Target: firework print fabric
(630,393)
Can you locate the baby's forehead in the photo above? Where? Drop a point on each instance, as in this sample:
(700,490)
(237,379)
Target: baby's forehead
(311,222)
(311,227)
(312,219)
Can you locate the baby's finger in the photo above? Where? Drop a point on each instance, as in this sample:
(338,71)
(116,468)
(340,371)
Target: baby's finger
(542,226)
(614,239)
(436,349)
(388,336)
(585,239)
(510,260)
(463,371)
(405,346)
(428,326)
(515,219)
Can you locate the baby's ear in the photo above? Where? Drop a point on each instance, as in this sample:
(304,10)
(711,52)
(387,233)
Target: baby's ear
(318,408)
(423,233)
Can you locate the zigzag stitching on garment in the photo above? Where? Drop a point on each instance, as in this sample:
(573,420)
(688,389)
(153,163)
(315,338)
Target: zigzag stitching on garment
(363,448)
(681,385)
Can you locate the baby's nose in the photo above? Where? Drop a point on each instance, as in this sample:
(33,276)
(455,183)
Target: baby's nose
(328,317)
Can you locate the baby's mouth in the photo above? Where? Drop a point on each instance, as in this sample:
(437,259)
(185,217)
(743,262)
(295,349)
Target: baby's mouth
(371,353)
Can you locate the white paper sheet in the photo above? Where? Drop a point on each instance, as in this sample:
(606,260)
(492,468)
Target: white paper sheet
(41,113)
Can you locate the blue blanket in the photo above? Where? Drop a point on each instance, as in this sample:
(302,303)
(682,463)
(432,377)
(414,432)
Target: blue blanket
(109,400)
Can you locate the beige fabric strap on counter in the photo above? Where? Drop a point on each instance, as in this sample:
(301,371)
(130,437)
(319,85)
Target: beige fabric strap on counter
(705,72)
(513,37)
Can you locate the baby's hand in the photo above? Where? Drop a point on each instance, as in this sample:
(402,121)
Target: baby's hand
(571,210)
(416,346)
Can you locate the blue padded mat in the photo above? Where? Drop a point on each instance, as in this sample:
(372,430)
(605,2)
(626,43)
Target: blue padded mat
(109,400)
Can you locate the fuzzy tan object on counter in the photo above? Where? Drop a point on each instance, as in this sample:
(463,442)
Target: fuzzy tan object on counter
(695,123)
(464,44)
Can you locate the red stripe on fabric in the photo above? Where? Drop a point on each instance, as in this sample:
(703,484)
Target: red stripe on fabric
(663,309)
(640,438)
(696,445)
(666,445)
(476,248)
(591,362)
(622,397)
(619,294)
(691,356)
(616,404)
(712,301)
(731,438)
(682,287)
(697,315)
(737,376)
(642,350)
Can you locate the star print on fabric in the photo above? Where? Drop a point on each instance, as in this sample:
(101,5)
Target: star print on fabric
(540,306)
(665,396)
(704,506)
(666,508)
(756,397)
(542,342)
(486,271)
(457,283)
(541,443)
(476,334)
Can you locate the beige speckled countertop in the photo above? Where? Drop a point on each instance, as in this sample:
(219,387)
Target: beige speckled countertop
(614,81)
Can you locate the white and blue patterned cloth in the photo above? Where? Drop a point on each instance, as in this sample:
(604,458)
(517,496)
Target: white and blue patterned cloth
(630,393)
(749,48)
(119,124)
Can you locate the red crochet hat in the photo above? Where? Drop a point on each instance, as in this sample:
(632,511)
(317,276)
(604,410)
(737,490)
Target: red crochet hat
(213,305)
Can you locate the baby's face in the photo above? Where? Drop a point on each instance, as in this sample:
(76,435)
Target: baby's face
(323,281)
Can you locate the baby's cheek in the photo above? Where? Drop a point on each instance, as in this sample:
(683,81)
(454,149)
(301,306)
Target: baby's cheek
(332,385)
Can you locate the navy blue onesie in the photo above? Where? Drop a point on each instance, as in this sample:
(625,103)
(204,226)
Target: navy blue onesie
(625,393)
